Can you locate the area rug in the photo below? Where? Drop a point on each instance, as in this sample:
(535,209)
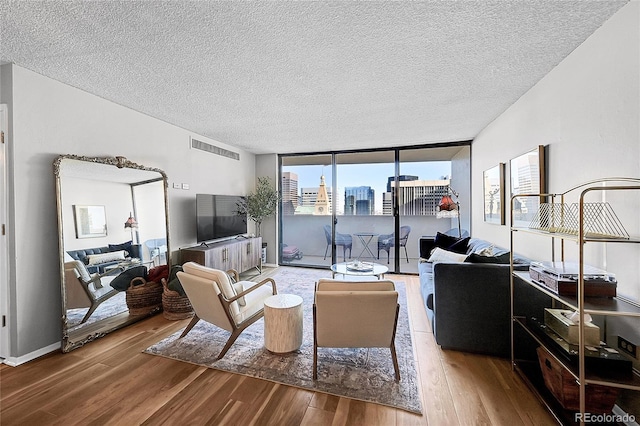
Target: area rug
(362,374)
(110,307)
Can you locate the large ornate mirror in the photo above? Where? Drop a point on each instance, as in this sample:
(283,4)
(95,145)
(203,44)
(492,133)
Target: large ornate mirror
(113,222)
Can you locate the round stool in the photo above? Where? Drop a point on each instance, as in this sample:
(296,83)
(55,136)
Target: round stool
(283,323)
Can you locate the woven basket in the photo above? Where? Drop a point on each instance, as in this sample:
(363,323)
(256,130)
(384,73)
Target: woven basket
(144,298)
(174,306)
(599,399)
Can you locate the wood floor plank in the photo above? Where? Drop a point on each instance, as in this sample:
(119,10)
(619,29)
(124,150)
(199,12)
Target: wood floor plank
(529,409)
(286,406)
(112,382)
(467,401)
(208,391)
(317,417)
(437,401)
(325,401)
(494,397)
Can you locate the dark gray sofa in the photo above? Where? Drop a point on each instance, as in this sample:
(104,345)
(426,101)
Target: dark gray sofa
(468,304)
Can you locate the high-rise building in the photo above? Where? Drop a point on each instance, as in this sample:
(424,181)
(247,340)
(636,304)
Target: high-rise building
(289,189)
(415,197)
(322,206)
(359,200)
(308,196)
(401,178)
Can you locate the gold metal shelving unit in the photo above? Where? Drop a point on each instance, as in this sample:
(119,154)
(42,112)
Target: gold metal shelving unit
(584,223)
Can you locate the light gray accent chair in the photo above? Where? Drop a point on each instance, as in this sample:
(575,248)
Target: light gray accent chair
(87,290)
(355,314)
(226,302)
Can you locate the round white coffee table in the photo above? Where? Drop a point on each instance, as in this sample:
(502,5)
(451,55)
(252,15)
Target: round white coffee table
(283,323)
(360,269)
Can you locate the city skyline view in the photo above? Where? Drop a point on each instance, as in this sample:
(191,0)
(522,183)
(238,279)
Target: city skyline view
(373,175)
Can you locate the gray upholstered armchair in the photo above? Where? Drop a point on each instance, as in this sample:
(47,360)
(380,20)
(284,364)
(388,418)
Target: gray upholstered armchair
(348,314)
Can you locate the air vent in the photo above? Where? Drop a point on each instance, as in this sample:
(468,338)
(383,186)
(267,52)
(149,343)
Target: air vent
(207,147)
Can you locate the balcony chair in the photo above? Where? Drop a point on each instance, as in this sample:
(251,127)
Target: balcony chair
(157,248)
(385,242)
(223,301)
(361,314)
(344,240)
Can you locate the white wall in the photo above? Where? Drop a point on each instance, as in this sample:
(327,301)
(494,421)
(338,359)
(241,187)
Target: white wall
(587,111)
(267,166)
(108,194)
(49,118)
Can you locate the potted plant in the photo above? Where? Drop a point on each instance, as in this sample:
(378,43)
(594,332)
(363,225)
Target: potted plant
(260,204)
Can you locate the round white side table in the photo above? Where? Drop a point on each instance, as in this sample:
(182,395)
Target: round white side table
(283,323)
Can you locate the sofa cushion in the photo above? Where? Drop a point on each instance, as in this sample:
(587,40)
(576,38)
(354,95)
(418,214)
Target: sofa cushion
(455,244)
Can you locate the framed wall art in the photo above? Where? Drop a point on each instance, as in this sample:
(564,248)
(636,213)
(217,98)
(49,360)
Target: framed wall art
(493,187)
(528,176)
(90,221)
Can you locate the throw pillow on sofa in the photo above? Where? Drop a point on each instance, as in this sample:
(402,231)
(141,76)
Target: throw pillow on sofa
(440,255)
(112,256)
(124,246)
(449,243)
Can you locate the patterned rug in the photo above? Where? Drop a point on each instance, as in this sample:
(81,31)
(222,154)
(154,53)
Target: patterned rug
(110,307)
(362,374)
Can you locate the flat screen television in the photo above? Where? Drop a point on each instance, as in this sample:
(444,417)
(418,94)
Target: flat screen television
(217,217)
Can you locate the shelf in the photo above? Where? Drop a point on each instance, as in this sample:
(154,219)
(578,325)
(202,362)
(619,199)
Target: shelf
(529,372)
(631,382)
(581,222)
(572,237)
(610,306)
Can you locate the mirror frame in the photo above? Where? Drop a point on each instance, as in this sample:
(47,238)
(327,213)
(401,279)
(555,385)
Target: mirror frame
(123,319)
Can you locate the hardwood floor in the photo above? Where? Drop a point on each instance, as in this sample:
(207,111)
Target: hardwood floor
(111,381)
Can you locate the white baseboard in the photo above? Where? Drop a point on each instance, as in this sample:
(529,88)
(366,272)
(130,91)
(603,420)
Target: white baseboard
(14,362)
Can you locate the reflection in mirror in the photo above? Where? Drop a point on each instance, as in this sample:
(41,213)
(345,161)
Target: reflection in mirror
(113,227)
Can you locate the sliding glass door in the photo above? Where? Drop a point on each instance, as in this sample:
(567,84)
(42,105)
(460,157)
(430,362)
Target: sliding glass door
(362,181)
(306,184)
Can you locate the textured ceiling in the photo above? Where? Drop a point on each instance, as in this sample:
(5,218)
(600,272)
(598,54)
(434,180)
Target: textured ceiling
(303,76)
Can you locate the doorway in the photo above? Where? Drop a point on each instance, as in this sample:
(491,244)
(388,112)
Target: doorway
(4,244)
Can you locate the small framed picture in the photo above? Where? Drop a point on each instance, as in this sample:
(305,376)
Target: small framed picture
(528,177)
(91,221)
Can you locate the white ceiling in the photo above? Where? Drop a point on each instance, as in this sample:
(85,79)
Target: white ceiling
(304,76)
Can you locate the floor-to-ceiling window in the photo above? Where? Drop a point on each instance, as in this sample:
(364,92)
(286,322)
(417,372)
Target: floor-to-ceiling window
(369,205)
(306,184)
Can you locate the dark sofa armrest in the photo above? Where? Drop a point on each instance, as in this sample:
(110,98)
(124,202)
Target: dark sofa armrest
(472,307)
(427,244)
